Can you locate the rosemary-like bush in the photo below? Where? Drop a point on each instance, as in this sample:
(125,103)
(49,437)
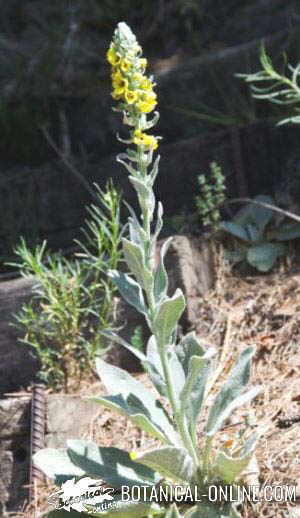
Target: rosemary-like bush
(73,299)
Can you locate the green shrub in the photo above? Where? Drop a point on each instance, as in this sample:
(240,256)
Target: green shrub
(73,299)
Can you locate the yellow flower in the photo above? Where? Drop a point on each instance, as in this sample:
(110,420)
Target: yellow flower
(130,96)
(116,96)
(112,57)
(133,455)
(143,82)
(146,84)
(142,139)
(120,83)
(147,102)
(125,65)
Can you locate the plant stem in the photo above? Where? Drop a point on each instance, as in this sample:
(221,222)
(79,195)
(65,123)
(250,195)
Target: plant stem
(147,217)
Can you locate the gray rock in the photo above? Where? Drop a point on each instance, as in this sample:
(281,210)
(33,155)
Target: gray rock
(18,367)
(14,453)
(14,417)
(190,264)
(68,417)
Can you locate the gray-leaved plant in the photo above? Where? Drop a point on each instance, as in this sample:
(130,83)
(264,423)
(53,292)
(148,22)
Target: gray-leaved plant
(180,371)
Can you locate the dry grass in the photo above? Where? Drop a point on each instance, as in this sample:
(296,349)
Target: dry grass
(262,310)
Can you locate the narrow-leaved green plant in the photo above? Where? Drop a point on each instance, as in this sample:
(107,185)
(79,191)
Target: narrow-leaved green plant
(275,87)
(72,299)
(181,371)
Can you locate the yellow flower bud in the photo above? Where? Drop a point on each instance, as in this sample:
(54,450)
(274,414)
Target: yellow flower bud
(142,63)
(112,57)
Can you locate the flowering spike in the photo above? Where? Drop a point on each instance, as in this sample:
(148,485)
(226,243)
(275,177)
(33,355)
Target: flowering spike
(132,88)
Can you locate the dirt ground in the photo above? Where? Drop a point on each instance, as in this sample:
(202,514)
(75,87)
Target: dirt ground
(260,310)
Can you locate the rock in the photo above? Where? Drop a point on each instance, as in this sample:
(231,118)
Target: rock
(18,367)
(61,412)
(14,453)
(13,417)
(190,263)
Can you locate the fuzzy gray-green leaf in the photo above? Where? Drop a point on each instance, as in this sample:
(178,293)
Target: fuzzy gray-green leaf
(161,277)
(168,315)
(173,463)
(176,373)
(229,396)
(135,400)
(193,391)
(286,232)
(129,289)
(145,194)
(159,220)
(112,465)
(188,346)
(154,367)
(135,260)
(229,468)
(56,465)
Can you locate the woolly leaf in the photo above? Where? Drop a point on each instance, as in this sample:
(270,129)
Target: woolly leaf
(129,289)
(172,463)
(168,314)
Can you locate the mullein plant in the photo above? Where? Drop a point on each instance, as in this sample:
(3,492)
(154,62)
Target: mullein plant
(182,371)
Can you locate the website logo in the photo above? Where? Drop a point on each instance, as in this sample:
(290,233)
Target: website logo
(78,495)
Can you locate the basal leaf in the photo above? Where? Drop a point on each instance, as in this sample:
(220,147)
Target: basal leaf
(229,468)
(112,465)
(172,463)
(213,510)
(56,465)
(285,232)
(135,410)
